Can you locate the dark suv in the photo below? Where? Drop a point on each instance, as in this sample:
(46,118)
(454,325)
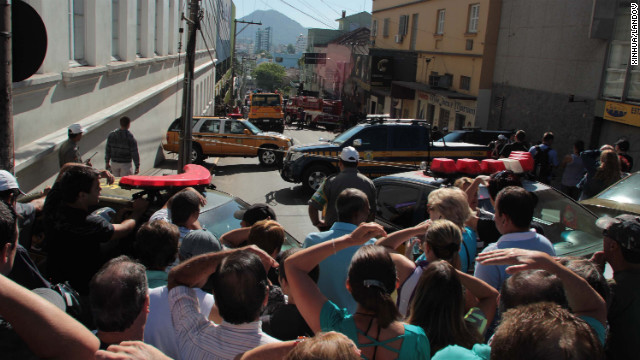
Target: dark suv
(475,136)
(385,146)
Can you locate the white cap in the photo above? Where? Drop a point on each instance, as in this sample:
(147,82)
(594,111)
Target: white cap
(76,129)
(8,181)
(349,154)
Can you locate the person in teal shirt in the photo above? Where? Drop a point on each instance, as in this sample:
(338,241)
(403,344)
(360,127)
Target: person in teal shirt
(371,280)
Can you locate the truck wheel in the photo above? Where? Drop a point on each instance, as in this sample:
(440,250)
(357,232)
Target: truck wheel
(314,176)
(196,154)
(267,157)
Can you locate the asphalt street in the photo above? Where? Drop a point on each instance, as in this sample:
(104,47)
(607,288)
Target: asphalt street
(245,178)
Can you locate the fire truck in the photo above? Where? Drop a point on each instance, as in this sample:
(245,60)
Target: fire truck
(315,111)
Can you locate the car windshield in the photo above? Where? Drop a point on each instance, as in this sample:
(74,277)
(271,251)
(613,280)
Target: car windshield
(340,139)
(626,191)
(563,221)
(453,137)
(252,127)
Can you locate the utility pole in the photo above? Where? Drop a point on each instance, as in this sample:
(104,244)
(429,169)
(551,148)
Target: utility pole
(7,156)
(233,48)
(184,154)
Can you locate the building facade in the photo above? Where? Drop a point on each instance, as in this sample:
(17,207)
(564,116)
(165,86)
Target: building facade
(107,59)
(434,60)
(301,43)
(263,40)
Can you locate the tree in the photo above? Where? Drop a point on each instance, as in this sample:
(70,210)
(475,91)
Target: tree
(291,49)
(269,75)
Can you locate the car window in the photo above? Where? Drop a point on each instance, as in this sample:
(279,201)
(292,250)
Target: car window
(233,127)
(626,191)
(210,126)
(373,138)
(176,125)
(454,137)
(409,138)
(401,205)
(346,135)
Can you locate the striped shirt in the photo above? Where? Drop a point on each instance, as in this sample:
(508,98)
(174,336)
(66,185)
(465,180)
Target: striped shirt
(199,338)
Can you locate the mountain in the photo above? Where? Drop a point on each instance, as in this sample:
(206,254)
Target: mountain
(285,30)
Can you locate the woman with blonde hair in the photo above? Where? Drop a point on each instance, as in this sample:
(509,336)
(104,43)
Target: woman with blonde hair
(605,175)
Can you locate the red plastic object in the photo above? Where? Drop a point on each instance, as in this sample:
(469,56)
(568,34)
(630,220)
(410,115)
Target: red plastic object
(490,166)
(235,115)
(443,165)
(193,175)
(468,166)
(526,162)
(523,153)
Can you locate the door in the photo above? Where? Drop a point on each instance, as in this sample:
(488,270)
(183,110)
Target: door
(373,149)
(459,121)
(208,137)
(408,145)
(237,142)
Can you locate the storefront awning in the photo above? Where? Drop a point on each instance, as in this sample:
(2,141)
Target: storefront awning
(406,90)
(380,91)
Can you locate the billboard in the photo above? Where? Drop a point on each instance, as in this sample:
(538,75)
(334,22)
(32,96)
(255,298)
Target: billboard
(381,70)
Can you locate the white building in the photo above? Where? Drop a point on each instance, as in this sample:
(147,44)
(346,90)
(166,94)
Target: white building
(301,44)
(263,40)
(106,59)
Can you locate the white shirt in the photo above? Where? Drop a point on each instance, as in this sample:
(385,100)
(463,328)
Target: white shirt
(199,338)
(159,329)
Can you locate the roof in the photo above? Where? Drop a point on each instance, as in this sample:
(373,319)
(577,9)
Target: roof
(428,89)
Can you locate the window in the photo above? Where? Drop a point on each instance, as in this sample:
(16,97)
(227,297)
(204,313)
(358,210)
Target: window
(403,24)
(618,64)
(443,119)
(374,28)
(465,82)
(76,50)
(474,11)
(431,110)
(440,22)
(115,25)
(401,205)
(233,127)
(211,126)
(374,138)
(469,45)
(459,121)
(409,138)
(414,31)
(433,78)
(385,27)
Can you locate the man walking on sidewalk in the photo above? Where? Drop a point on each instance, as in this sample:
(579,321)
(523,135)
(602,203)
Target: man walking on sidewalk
(121,149)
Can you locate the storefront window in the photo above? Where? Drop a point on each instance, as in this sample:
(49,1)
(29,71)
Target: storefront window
(618,59)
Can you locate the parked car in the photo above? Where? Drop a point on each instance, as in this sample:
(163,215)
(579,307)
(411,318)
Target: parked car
(623,197)
(402,203)
(475,136)
(222,137)
(386,146)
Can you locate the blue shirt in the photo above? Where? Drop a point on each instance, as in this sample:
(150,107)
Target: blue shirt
(467,252)
(495,275)
(334,269)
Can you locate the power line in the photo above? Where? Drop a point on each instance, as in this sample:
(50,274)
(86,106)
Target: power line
(313,17)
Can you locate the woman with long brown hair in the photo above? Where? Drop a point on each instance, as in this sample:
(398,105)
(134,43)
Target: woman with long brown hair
(606,174)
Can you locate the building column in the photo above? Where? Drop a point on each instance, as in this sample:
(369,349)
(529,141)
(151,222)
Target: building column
(55,16)
(162,24)
(174,24)
(147,28)
(127,32)
(98,29)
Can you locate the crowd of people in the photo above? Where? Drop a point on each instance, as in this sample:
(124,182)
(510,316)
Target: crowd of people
(479,286)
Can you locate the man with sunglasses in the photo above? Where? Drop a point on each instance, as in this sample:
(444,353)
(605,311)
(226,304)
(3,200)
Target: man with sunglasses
(621,249)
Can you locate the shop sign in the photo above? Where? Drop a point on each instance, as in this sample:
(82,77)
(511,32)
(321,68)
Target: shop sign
(452,104)
(622,113)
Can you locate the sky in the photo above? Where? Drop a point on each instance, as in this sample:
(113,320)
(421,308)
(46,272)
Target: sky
(309,13)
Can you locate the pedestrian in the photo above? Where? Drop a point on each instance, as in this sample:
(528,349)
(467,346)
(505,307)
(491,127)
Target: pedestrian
(519,145)
(69,151)
(300,117)
(546,159)
(626,161)
(606,174)
(121,149)
(573,171)
(327,193)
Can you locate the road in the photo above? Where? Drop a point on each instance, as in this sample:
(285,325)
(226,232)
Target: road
(245,178)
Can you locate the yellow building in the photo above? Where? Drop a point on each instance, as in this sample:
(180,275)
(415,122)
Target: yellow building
(434,59)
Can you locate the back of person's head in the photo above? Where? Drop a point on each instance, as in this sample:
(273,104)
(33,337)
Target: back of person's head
(268,235)
(117,293)
(240,287)
(521,135)
(544,331)
(183,205)
(75,180)
(125,121)
(8,224)
(609,169)
(531,286)
(500,180)
(579,146)
(451,203)
(325,346)
(156,244)
(518,204)
(349,203)
(438,307)
(444,239)
(623,144)
(372,278)
(198,242)
(463,182)
(314,274)
(548,136)
(590,272)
